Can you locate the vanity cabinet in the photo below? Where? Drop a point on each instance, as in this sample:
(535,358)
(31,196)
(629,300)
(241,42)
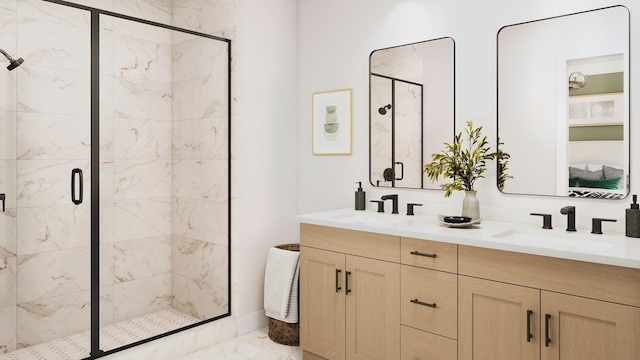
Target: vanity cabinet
(511,313)
(350,291)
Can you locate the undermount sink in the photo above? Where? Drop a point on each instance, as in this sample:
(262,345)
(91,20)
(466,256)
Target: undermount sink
(559,241)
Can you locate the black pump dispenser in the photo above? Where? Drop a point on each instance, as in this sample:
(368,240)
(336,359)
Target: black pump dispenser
(632,219)
(361,201)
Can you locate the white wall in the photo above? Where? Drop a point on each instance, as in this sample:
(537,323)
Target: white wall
(335,40)
(266,146)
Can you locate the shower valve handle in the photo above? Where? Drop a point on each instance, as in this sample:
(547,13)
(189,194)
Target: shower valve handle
(3,198)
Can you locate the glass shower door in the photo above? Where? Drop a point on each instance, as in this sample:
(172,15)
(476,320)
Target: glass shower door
(46,226)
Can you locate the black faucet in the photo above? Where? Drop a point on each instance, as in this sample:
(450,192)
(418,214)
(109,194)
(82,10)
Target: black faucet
(546,220)
(596,225)
(394,198)
(570,211)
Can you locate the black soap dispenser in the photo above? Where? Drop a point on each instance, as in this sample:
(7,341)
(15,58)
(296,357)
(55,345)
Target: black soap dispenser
(632,219)
(361,201)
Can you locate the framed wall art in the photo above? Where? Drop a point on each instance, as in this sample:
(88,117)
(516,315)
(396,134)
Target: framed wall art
(331,122)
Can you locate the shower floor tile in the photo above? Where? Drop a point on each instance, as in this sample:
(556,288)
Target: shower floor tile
(253,346)
(76,346)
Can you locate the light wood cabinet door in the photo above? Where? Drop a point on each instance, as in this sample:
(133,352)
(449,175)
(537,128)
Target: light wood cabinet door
(322,305)
(586,329)
(493,319)
(373,309)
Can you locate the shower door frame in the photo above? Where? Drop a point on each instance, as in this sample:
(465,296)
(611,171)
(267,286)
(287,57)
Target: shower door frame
(95,351)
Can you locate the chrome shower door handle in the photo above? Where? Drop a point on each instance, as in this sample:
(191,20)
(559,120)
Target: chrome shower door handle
(76,173)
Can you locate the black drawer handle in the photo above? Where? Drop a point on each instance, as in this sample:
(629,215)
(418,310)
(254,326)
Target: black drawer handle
(346,284)
(338,288)
(529,334)
(416,301)
(418,253)
(547,339)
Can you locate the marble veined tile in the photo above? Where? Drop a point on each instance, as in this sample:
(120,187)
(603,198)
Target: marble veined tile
(142,139)
(54,13)
(205,139)
(49,228)
(56,273)
(107,51)
(8,182)
(8,246)
(55,45)
(53,91)
(201,179)
(153,10)
(142,31)
(106,305)
(8,329)
(141,258)
(106,264)
(142,99)
(141,59)
(202,220)
(7,282)
(106,222)
(200,260)
(200,98)
(47,136)
(98,4)
(106,138)
(8,5)
(198,299)
(141,297)
(144,218)
(199,57)
(46,182)
(7,135)
(253,346)
(8,40)
(142,179)
(53,318)
(106,95)
(106,180)
(206,16)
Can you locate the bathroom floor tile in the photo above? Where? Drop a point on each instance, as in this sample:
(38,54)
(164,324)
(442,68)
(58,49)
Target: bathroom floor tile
(253,346)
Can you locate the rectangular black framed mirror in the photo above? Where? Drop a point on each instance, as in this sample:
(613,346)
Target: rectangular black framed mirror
(563,104)
(411,110)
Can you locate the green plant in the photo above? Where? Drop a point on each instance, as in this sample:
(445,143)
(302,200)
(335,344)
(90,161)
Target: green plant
(465,165)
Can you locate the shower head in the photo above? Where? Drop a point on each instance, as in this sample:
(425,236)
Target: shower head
(383,110)
(13,63)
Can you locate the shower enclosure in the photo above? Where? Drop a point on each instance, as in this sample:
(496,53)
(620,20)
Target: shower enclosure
(396,132)
(115,170)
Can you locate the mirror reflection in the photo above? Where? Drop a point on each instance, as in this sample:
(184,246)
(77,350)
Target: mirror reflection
(563,104)
(411,98)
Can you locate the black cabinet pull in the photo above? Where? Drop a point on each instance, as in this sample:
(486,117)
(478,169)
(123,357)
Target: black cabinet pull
(416,301)
(338,288)
(547,339)
(418,253)
(529,334)
(346,283)
(77,200)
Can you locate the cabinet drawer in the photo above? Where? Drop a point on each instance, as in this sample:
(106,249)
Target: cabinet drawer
(366,244)
(424,286)
(420,253)
(421,345)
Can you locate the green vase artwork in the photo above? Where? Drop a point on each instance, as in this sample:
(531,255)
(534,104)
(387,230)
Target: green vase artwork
(331,119)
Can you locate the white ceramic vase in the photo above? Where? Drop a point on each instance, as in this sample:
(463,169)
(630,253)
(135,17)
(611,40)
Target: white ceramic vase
(471,205)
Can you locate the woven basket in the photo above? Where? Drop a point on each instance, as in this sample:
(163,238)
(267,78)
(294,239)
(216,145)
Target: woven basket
(280,331)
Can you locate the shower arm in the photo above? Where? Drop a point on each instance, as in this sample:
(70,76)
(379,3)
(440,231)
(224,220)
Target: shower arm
(6,55)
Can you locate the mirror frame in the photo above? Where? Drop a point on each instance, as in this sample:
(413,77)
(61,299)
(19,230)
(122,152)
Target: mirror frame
(626,97)
(453,127)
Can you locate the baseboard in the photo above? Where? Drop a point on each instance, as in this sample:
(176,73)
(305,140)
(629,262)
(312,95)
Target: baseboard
(252,322)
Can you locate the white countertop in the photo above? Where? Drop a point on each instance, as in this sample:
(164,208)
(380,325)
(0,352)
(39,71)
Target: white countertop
(611,249)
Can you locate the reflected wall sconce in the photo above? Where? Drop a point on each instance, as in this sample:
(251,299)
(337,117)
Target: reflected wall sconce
(577,80)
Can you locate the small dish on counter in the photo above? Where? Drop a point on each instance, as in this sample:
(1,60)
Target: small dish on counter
(457,221)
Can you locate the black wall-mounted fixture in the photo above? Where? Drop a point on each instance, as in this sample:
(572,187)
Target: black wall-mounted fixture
(3,197)
(13,63)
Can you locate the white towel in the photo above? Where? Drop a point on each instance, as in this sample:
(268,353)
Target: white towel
(281,285)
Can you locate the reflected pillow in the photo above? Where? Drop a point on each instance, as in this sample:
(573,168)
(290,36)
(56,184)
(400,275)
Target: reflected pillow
(585,174)
(598,183)
(611,172)
(573,181)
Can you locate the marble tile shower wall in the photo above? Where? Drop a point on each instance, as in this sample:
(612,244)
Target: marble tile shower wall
(155,118)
